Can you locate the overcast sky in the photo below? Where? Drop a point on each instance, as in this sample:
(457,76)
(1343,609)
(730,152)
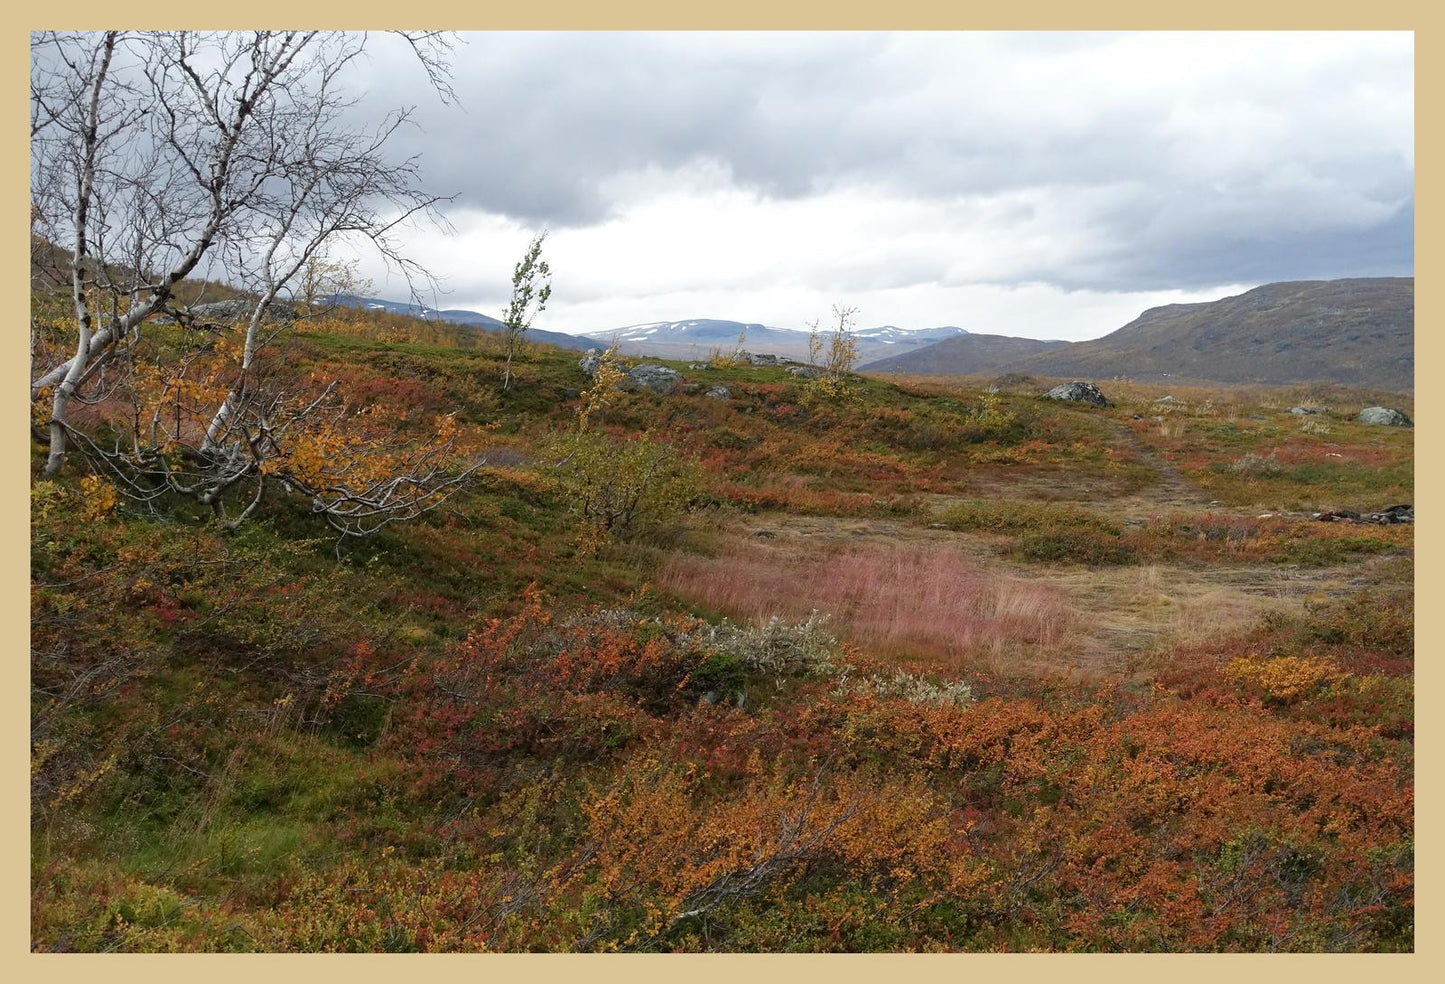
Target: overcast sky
(1052,186)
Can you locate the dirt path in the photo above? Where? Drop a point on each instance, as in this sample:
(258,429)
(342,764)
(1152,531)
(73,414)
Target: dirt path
(1173,488)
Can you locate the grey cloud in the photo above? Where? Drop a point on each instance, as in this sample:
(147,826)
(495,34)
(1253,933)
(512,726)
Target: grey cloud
(548,120)
(1249,255)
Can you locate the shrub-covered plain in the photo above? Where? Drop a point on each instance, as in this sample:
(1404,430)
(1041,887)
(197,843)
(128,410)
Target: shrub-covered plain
(729,675)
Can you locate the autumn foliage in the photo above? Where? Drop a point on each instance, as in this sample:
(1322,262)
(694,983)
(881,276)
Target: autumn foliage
(493,729)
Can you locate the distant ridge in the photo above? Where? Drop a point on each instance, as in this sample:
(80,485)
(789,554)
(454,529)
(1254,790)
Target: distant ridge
(965,355)
(460,316)
(1356,332)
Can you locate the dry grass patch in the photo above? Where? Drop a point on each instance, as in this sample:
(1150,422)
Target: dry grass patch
(924,598)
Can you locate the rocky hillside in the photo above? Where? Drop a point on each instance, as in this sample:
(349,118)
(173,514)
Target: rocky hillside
(1357,332)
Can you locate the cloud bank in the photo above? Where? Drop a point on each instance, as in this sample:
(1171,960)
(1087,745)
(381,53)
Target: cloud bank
(1049,185)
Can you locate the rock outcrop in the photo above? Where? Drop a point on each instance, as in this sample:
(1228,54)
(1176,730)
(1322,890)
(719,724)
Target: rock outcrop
(1389,516)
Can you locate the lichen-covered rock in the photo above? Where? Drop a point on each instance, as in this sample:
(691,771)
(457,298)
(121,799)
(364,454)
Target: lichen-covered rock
(654,377)
(1307,411)
(1384,417)
(1389,516)
(720,393)
(234,311)
(1078,392)
(805,372)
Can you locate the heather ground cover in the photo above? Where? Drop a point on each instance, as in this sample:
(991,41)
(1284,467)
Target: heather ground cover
(913,667)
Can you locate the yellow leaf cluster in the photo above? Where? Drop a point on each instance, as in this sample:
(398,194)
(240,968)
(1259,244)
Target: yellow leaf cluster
(99,497)
(41,407)
(603,390)
(1286,678)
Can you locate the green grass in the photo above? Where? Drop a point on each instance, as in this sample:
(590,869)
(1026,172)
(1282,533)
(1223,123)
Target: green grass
(1019,516)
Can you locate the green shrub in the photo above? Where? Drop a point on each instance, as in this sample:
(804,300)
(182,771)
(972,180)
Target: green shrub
(1326,551)
(623,487)
(1083,546)
(1366,619)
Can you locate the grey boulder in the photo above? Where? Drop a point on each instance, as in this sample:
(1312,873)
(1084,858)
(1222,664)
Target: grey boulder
(1077,392)
(654,377)
(1384,417)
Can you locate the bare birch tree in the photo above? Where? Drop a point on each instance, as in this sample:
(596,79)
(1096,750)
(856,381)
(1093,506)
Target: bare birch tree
(157,156)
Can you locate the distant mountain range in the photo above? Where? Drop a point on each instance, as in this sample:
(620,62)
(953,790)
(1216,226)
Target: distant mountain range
(697,338)
(459,316)
(1356,332)
(685,340)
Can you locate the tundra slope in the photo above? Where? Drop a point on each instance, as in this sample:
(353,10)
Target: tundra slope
(1356,332)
